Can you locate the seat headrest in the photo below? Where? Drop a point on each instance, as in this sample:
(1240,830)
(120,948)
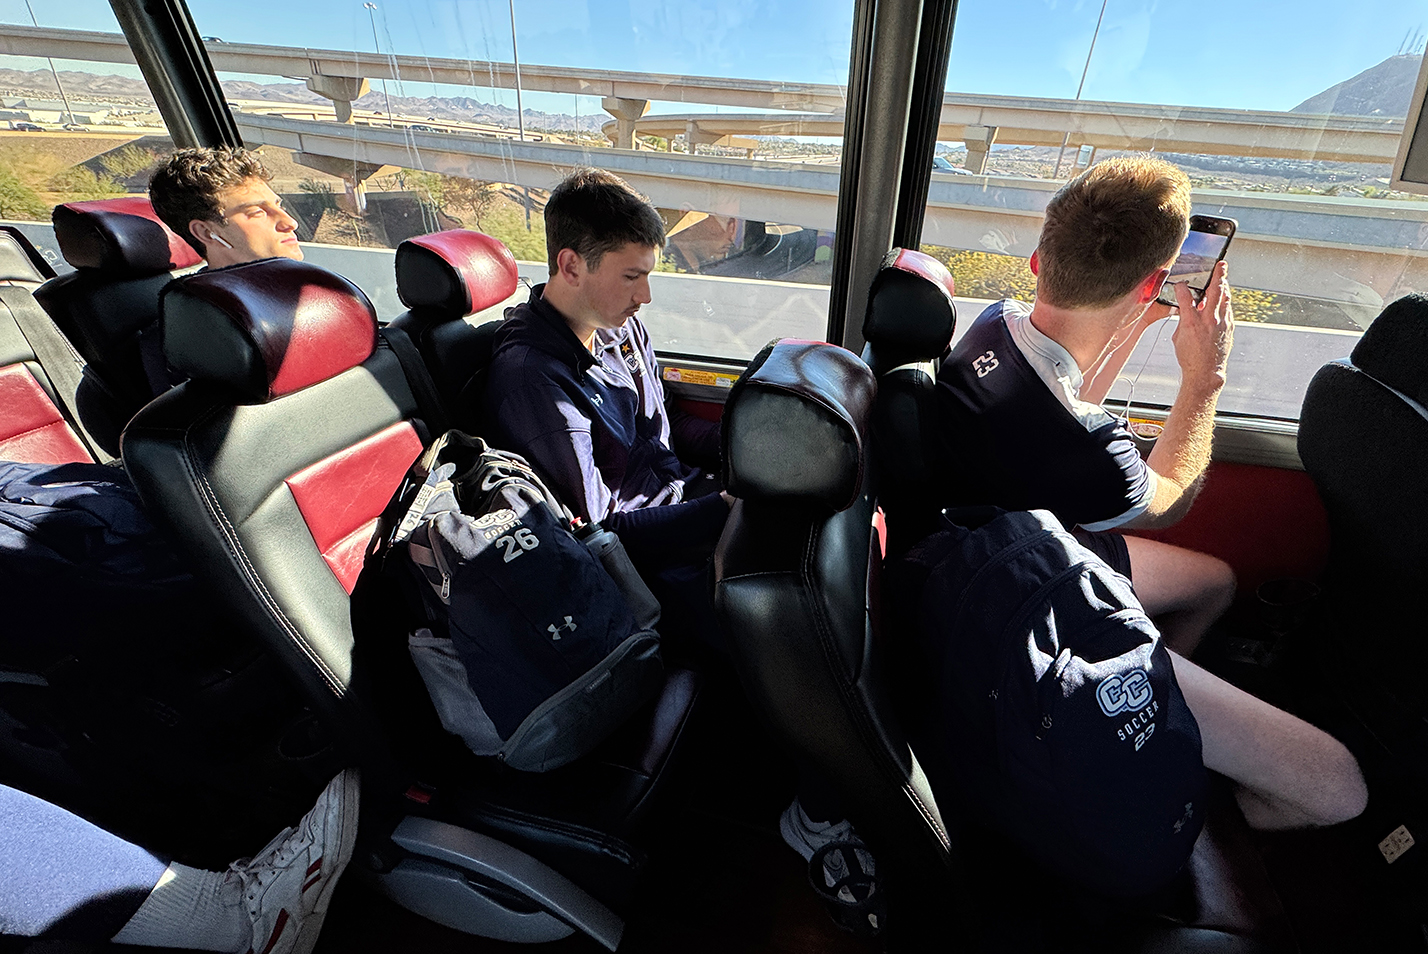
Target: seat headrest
(457,272)
(910,308)
(795,423)
(1394,349)
(123,236)
(268,328)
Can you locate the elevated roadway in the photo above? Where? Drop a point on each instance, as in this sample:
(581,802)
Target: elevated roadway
(979,120)
(1359,252)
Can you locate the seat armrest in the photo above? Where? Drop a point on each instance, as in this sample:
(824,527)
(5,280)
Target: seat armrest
(496,861)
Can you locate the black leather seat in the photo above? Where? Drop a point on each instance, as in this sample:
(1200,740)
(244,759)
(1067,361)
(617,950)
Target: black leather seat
(792,592)
(271,466)
(442,278)
(1363,438)
(908,329)
(801,600)
(123,256)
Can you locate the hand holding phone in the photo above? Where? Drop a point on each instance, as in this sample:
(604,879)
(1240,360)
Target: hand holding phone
(1204,247)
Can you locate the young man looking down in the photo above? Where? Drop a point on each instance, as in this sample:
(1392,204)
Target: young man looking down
(574,387)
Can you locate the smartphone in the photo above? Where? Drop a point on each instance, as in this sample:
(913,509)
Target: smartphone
(1206,244)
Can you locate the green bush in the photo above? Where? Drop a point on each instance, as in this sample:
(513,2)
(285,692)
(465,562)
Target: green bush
(18,200)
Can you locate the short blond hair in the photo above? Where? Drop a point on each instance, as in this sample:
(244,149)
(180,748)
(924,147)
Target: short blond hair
(1109,228)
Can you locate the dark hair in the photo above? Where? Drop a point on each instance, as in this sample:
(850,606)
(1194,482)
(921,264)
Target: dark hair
(1109,228)
(187,185)
(593,212)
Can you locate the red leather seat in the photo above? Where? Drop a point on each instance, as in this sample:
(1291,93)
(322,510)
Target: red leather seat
(442,278)
(35,425)
(108,306)
(271,465)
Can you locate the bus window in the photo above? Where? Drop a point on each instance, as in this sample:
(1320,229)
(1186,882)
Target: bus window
(419,115)
(70,130)
(1294,138)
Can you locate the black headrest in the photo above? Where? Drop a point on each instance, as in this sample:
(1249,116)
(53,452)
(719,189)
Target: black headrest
(121,236)
(910,310)
(268,328)
(795,423)
(20,261)
(457,272)
(1394,349)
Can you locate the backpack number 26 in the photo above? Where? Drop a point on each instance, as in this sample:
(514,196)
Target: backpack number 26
(517,544)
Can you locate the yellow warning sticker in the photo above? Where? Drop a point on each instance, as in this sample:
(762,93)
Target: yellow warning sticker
(710,379)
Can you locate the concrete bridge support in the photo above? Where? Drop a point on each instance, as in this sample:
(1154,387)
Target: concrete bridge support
(979,141)
(342,90)
(354,176)
(626,112)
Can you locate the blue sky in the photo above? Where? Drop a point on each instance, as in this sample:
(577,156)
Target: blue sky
(1252,55)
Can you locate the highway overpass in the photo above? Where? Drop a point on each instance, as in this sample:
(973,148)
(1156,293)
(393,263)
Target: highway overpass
(1360,252)
(979,120)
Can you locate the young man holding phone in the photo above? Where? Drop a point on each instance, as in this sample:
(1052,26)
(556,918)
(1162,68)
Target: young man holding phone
(1021,392)
(1022,431)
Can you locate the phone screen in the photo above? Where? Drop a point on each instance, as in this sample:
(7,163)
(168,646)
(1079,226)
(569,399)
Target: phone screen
(1195,263)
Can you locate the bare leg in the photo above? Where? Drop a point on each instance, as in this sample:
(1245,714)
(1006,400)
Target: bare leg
(1182,590)
(1288,773)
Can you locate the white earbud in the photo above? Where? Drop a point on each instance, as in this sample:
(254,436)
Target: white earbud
(215,237)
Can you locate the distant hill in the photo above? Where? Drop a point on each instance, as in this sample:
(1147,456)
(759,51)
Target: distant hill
(1382,90)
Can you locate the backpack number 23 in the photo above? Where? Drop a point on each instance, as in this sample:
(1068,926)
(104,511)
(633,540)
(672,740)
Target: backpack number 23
(517,543)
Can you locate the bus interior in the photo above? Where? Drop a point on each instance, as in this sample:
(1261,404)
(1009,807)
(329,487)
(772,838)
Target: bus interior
(415,143)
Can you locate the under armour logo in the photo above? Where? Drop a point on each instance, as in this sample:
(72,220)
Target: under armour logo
(985,364)
(597,400)
(1185,819)
(555,630)
(1118,694)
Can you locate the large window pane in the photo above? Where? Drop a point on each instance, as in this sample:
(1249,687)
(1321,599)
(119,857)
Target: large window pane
(410,120)
(1286,126)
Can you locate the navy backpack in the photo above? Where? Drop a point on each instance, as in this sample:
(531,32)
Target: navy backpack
(1056,699)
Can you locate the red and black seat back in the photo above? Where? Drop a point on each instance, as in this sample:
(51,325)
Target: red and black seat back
(34,425)
(273,462)
(108,307)
(442,278)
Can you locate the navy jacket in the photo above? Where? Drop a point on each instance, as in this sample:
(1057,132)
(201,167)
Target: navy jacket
(596,428)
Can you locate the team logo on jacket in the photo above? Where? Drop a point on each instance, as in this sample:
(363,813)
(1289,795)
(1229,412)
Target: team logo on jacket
(1130,693)
(1122,693)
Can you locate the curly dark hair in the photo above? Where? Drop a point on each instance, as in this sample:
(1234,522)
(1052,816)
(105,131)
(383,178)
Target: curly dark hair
(593,212)
(187,186)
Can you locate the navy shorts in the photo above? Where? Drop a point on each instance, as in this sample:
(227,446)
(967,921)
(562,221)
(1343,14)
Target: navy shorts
(1109,546)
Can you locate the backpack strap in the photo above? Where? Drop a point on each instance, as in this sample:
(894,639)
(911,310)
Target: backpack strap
(429,402)
(63,366)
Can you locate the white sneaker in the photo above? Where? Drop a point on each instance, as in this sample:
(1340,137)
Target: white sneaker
(806,836)
(288,885)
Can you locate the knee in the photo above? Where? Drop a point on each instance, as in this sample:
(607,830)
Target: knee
(1221,582)
(1345,793)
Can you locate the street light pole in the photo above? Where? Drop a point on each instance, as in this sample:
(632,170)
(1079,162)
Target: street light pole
(520,112)
(58,85)
(1082,85)
(372,15)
